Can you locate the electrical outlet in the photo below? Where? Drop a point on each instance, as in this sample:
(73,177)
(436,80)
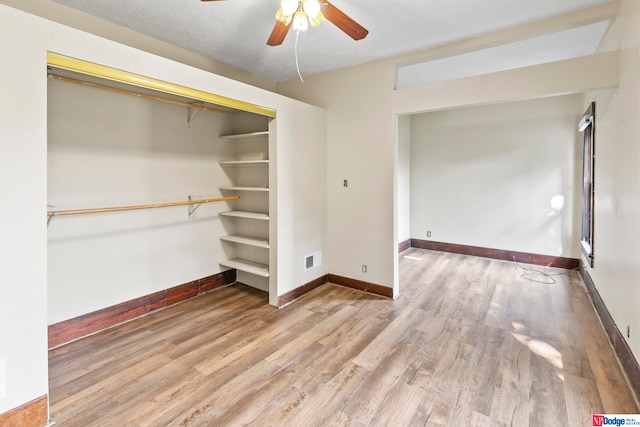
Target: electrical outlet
(345,183)
(364,268)
(428,233)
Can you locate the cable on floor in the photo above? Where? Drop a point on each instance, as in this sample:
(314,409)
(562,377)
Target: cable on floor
(547,278)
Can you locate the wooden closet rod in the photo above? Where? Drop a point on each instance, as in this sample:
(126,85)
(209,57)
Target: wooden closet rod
(134,207)
(138,94)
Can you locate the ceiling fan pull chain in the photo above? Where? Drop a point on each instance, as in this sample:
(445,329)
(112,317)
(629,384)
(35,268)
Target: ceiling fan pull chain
(296,53)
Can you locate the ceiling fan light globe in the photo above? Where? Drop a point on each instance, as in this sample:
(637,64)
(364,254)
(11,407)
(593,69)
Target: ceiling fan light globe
(311,8)
(317,20)
(289,7)
(280,16)
(300,21)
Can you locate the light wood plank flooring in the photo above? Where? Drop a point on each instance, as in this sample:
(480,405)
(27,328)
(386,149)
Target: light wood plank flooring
(468,343)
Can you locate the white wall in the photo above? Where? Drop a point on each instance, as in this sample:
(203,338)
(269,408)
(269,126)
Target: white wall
(361,136)
(616,273)
(404,178)
(23,233)
(25,40)
(487,176)
(300,165)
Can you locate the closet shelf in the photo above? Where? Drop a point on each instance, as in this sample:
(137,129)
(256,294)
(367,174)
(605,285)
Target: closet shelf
(249,157)
(244,162)
(247,266)
(244,136)
(246,240)
(232,188)
(247,215)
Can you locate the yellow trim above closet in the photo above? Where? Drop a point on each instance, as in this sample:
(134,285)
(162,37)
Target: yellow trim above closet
(97,70)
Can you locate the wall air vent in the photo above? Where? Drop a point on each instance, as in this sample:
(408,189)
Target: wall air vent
(312,260)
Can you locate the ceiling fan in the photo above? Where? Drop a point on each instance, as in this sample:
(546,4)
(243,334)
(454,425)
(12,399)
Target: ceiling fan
(300,13)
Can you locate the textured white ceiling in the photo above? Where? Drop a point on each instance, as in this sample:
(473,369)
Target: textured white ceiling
(235,31)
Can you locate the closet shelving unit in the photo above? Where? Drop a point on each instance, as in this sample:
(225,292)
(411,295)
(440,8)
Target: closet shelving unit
(249,172)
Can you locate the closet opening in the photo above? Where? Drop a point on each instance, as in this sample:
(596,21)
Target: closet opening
(172,185)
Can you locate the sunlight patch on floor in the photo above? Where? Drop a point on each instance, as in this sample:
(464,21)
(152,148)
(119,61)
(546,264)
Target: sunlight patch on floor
(541,348)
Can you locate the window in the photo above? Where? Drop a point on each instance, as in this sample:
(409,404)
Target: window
(587,127)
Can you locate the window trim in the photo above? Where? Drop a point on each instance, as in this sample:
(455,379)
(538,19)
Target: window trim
(587,127)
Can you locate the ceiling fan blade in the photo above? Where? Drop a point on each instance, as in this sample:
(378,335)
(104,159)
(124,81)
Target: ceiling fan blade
(344,22)
(278,34)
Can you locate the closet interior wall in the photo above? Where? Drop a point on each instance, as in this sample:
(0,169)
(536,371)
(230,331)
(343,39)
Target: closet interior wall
(111,149)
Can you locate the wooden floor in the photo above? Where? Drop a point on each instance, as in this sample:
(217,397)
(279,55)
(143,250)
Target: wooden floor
(469,342)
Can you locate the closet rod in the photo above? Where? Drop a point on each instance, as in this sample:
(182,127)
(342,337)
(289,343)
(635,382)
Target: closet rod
(133,207)
(138,94)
